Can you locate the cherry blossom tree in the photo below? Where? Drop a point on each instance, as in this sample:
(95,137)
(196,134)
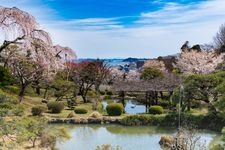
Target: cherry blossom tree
(198,62)
(21,29)
(23,42)
(26,71)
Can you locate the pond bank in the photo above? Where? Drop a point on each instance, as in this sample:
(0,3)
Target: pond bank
(85,120)
(164,120)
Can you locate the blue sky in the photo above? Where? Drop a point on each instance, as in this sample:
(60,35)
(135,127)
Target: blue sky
(124,28)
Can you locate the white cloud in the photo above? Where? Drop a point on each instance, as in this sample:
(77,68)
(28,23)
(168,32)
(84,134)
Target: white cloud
(155,33)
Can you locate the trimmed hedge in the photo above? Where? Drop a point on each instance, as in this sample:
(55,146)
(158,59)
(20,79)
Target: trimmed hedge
(210,121)
(139,120)
(80,111)
(114,109)
(55,107)
(37,110)
(155,110)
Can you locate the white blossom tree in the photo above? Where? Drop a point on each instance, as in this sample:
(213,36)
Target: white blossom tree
(198,62)
(22,40)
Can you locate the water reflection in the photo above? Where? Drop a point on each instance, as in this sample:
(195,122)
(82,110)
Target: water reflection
(87,137)
(131,106)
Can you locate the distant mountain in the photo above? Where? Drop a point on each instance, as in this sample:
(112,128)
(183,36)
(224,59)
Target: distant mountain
(130,59)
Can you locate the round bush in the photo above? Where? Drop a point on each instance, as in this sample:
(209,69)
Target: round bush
(6,77)
(155,110)
(37,110)
(80,111)
(114,109)
(18,110)
(55,107)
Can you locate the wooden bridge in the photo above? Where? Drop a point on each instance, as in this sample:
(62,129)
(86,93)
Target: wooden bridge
(167,84)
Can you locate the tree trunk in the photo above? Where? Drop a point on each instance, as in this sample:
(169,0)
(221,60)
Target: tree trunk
(34,141)
(22,93)
(161,95)
(45,94)
(84,98)
(146,102)
(38,90)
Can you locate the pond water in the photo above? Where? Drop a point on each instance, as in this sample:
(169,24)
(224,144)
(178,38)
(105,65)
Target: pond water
(87,137)
(131,107)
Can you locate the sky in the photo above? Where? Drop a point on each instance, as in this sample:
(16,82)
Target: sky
(126,28)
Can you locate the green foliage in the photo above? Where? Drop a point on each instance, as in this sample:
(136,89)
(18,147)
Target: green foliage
(10,106)
(7,99)
(164,103)
(138,120)
(80,110)
(102,92)
(6,77)
(51,135)
(177,71)
(114,109)
(18,110)
(63,89)
(38,110)
(11,89)
(55,107)
(31,129)
(8,128)
(210,121)
(155,110)
(3,112)
(217,147)
(204,88)
(151,73)
(71,103)
(107,92)
(106,97)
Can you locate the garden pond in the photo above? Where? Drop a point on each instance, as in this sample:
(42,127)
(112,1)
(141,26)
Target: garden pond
(88,137)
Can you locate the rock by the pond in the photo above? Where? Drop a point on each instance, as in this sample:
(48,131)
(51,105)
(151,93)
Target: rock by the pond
(92,120)
(84,120)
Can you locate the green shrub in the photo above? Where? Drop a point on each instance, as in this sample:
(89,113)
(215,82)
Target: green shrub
(80,111)
(18,110)
(38,110)
(71,103)
(7,99)
(6,106)
(11,89)
(114,109)
(106,97)
(107,92)
(155,110)
(6,77)
(55,107)
(151,73)
(164,103)
(137,120)
(3,112)
(102,92)
(217,147)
